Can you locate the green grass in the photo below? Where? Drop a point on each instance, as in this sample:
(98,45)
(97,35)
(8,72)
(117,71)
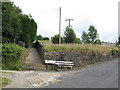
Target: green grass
(77,47)
(43,41)
(13,65)
(4,81)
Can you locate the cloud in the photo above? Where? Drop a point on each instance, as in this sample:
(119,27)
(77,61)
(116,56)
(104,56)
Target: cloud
(110,37)
(103,14)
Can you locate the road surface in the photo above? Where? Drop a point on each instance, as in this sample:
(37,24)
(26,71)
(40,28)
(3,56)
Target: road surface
(104,75)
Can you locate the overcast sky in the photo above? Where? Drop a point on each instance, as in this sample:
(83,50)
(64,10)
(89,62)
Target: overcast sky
(103,14)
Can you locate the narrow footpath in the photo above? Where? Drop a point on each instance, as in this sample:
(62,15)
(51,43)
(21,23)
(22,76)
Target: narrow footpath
(33,61)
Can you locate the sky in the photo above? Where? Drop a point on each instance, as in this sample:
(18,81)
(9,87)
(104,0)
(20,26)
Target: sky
(103,14)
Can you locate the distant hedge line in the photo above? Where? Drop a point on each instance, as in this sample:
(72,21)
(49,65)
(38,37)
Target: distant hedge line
(11,55)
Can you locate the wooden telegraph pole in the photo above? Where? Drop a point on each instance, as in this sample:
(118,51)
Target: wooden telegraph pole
(69,22)
(60,25)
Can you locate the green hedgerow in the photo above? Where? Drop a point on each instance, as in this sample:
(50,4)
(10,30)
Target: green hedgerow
(11,53)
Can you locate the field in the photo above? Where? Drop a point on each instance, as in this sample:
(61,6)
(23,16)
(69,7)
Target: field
(77,47)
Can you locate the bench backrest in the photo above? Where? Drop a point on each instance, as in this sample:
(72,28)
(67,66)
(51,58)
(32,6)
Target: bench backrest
(59,62)
(50,61)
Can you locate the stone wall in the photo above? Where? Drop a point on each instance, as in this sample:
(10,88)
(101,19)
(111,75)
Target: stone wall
(40,50)
(79,58)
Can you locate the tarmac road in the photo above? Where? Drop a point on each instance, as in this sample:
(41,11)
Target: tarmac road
(104,75)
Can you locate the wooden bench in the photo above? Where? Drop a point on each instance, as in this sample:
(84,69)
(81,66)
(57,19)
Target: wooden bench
(65,64)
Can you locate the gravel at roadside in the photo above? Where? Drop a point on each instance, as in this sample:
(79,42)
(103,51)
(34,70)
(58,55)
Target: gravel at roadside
(30,79)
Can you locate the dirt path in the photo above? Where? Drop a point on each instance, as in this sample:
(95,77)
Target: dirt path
(33,61)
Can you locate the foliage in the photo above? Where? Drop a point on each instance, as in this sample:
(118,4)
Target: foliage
(11,26)
(85,38)
(92,33)
(118,42)
(78,41)
(119,39)
(46,38)
(5,81)
(39,37)
(114,51)
(42,38)
(55,39)
(29,30)
(43,41)
(11,56)
(98,42)
(70,36)
(17,26)
(91,36)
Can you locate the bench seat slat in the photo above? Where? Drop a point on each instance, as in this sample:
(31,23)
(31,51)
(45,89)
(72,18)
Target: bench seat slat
(63,64)
(60,63)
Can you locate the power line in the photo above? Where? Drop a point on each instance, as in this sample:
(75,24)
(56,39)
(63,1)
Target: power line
(59,19)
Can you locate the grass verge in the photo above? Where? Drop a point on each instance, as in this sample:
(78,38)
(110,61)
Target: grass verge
(4,81)
(79,48)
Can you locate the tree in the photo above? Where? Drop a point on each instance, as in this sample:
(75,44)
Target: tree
(55,39)
(78,41)
(117,43)
(29,30)
(119,39)
(11,27)
(17,26)
(39,37)
(69,35)
(97,41)
(33,29)
(85,38)
(46,38)
(92,34)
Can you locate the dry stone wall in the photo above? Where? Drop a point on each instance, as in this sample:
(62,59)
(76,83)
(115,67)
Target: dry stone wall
(79,58)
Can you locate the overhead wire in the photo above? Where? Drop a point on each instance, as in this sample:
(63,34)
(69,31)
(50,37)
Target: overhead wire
(45,11)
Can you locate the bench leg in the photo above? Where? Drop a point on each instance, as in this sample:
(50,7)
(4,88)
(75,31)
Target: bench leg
(57,68)
(46,66)
(53,67)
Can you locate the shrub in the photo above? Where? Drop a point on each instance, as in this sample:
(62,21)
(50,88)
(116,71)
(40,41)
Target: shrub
(69,35)
(78,41)
(11,55)
(113,51)
(39,37)
(55,39)
(45,38)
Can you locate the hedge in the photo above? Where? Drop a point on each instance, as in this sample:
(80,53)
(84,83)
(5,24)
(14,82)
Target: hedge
(11,53)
